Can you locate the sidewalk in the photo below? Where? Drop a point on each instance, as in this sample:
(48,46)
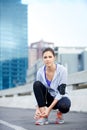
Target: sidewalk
(22,119)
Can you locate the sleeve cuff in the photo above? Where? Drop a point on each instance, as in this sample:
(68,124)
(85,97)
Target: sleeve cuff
(58,97)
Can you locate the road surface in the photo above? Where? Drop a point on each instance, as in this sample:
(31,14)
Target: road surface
(22,119)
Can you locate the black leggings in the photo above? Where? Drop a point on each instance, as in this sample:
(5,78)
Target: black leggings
(44,98)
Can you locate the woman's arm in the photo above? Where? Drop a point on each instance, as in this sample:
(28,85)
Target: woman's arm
(53,104)
(48,109)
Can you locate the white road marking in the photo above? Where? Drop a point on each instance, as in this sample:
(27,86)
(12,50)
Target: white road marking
(15,127)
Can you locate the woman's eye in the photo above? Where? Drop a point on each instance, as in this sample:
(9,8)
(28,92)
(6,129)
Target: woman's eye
(45,57)
(50,56)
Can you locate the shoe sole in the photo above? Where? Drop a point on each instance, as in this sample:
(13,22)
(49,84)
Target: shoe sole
(59,122)
(45,123)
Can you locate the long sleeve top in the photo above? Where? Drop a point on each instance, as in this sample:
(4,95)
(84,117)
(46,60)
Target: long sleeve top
(60,77)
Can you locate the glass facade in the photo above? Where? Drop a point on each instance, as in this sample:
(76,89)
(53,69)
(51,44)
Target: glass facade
(13,43)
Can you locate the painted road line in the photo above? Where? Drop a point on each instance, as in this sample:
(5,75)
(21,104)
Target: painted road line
(11,125)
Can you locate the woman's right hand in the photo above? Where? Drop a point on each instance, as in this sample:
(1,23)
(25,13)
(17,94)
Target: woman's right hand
(37,114)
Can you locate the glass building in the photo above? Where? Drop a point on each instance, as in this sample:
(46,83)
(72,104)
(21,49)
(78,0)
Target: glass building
(13,43)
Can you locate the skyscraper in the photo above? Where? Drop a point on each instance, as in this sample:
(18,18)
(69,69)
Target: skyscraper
(13,43)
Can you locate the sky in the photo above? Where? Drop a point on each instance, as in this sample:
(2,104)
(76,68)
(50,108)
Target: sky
(63,22)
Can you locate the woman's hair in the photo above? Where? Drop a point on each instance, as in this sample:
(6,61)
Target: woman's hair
(48,49)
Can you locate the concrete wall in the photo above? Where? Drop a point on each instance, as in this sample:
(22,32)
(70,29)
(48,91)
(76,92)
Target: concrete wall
(23,97)
(78,101)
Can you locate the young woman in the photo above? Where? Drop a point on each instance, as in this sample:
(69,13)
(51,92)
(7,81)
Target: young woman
(50,89)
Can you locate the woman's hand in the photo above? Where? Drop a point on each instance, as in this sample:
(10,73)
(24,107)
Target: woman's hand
(37,114)
(46,112)
(42,113)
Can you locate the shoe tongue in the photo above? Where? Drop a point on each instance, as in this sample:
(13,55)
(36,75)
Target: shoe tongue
(59,115)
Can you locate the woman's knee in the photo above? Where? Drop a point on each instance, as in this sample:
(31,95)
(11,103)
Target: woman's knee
(36,84)
(64,104)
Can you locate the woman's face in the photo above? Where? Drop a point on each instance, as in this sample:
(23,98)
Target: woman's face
(48,58)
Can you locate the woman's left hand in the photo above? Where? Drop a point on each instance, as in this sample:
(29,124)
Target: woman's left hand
(46,112)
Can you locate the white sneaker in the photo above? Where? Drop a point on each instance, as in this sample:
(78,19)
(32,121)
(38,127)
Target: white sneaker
(59,118)
(42,121)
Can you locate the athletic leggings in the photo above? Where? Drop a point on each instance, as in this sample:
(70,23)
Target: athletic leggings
(44,98)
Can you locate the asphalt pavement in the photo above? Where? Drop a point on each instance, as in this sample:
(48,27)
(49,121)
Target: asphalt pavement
(22,119)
